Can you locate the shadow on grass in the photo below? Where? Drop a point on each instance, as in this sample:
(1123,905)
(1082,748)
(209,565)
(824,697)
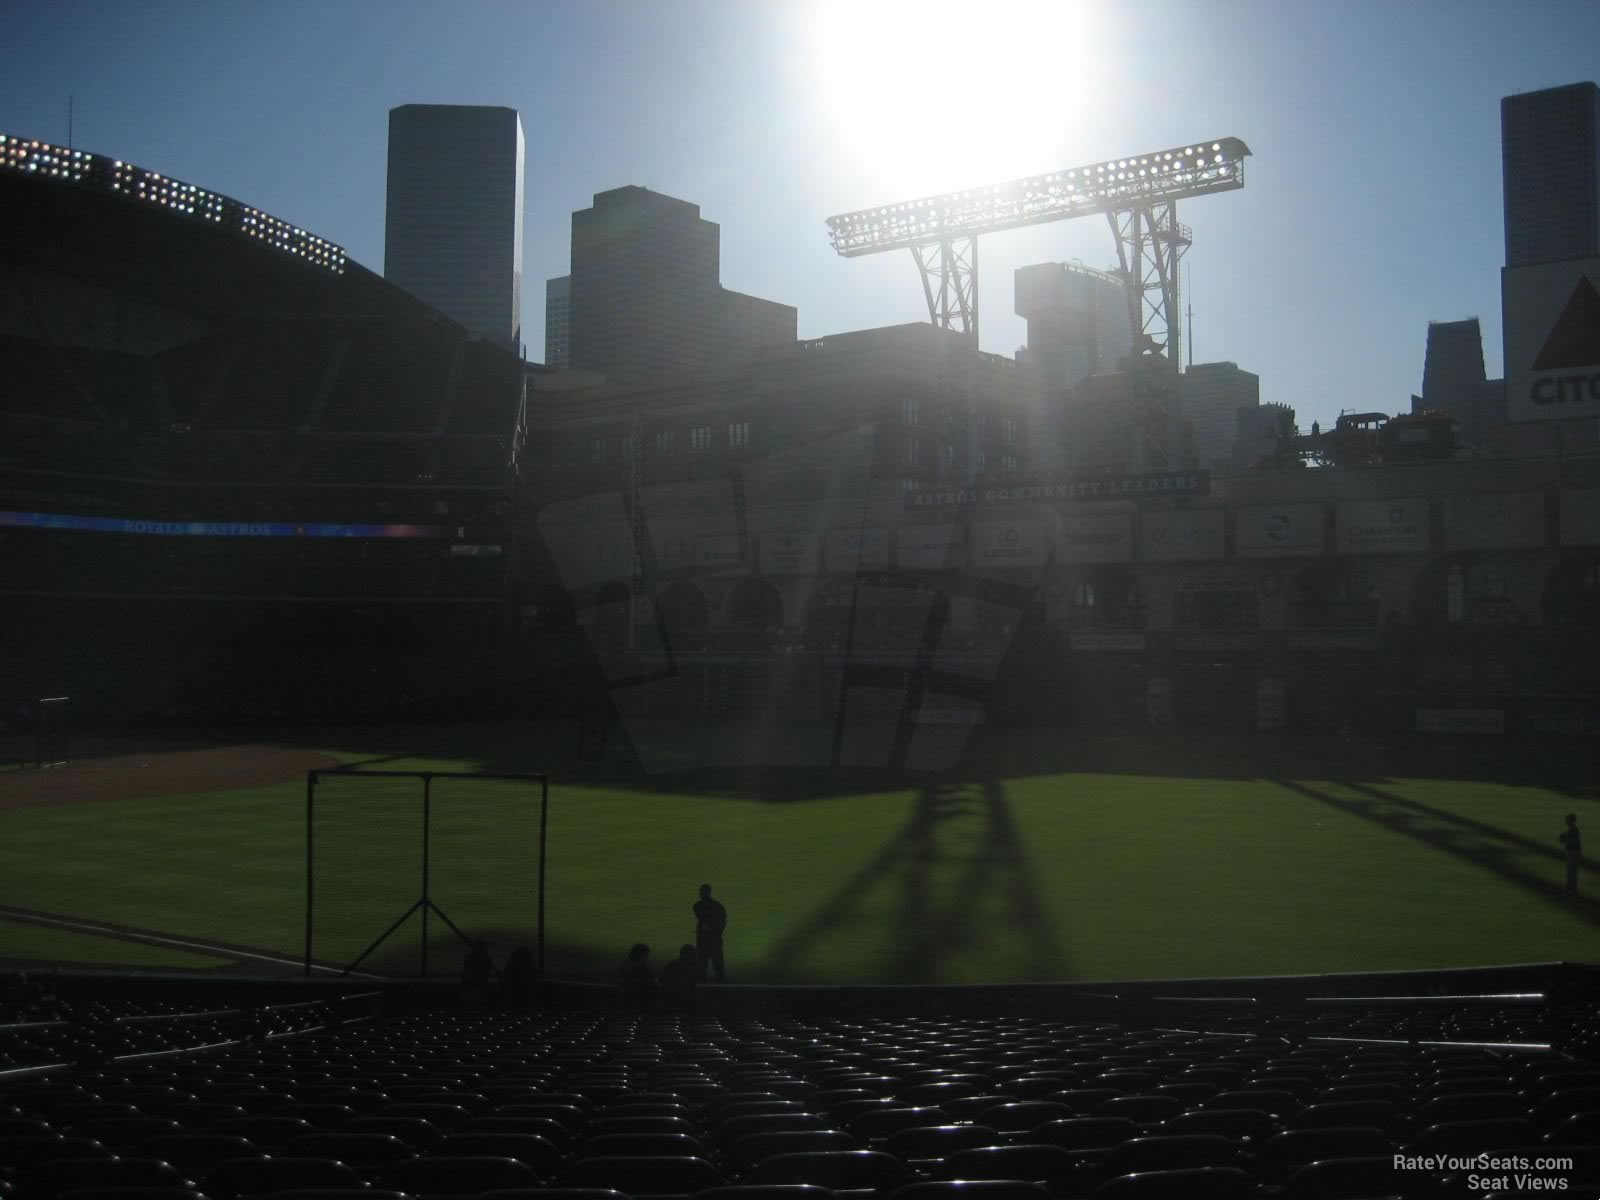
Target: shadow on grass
(933,923)
(1482,845)
(551,746)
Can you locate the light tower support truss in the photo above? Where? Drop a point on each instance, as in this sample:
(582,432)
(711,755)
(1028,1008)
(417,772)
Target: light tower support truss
(1138,195)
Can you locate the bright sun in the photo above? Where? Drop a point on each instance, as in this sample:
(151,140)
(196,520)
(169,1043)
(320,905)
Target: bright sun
(933,95)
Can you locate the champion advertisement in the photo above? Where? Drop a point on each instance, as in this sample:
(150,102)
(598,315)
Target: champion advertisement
(1552,340)
(1382,526)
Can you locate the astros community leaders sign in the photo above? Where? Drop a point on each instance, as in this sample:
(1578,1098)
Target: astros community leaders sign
(1110,487)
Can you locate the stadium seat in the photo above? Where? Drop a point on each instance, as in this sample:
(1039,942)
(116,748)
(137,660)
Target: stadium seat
(840,1170)
(1177,1152)
(236,1178)
(1350,1179)
(1143,1110)
(1279,1103)
(980,1189)
(937,1141)
(1557,1106)
(880,1123)
(1280,1155)
(1473,1137)
(1347,1114)
(25,1152)
(1248,1123)
(117,1133)
(1199,1183)
(756,1147)
(366,1152)
(1470,1106)
(574,1119)
(1024,1116)
(662,1145)
(645,1176)
(1050,1166)
(59,1176)
(441,1116)
(457,1176)
(755,1191)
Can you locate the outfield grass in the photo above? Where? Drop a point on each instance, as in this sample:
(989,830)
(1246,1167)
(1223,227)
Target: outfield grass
(37,943)
(1065,875)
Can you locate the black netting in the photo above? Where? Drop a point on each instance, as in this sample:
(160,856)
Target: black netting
(405,868)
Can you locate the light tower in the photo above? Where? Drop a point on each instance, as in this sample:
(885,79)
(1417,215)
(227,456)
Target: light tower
(1139,197)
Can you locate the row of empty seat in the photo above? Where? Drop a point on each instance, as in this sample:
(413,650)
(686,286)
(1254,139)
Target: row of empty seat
(451,1104)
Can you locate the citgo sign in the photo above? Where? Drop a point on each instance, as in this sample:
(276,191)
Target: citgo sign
(1552,340)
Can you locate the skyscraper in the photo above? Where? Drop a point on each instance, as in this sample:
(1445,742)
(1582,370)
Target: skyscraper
(453,222)
(644,284)
(1213,394)
(558,321)
(645,291)
(1077,321)
(1550,156)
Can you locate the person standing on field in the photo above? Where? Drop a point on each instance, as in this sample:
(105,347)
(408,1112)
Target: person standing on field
(711,918)
(1573,841)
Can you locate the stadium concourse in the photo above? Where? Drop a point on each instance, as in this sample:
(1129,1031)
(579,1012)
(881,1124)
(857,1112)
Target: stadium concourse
(1310,1089)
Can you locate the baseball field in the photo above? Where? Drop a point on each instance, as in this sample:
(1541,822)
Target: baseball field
(1040,859)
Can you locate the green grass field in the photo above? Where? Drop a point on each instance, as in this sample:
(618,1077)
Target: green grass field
(1127,866)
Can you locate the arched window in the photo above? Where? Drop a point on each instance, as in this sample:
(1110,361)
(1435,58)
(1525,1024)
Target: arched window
(1107,597)
(1333,595)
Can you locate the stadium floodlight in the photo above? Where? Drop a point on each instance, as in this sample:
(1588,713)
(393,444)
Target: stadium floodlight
(1103,187)
(134,183)
(1137,195)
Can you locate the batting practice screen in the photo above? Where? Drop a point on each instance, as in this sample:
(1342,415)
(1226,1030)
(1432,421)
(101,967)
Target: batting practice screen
(405,869)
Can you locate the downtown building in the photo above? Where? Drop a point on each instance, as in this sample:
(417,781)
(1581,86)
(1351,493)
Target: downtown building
(644,298)
(453,217)
(1550,154)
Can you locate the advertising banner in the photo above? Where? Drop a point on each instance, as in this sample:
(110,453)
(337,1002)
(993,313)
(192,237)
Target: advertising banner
(849,550)
(1552,340)
(1181,536)
(722,550)
(1108,487)
(1461,720)
(928,547)
(1009,544)
(1494,521)
(1094,538)
(787,553)
(1104,642)
(1278,531)
(1381,526)
(1580,517)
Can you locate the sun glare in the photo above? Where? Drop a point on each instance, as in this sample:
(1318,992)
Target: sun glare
(932,95)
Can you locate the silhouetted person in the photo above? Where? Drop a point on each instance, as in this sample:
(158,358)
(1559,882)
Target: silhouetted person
(679,980)
(636,982)
(477,974)
(1573,841)
(710,919)
(520,979)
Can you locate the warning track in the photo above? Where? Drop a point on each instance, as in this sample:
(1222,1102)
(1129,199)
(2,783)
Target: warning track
(252,957)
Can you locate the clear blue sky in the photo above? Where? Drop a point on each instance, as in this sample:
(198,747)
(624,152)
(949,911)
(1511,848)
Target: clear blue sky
(1372,203)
